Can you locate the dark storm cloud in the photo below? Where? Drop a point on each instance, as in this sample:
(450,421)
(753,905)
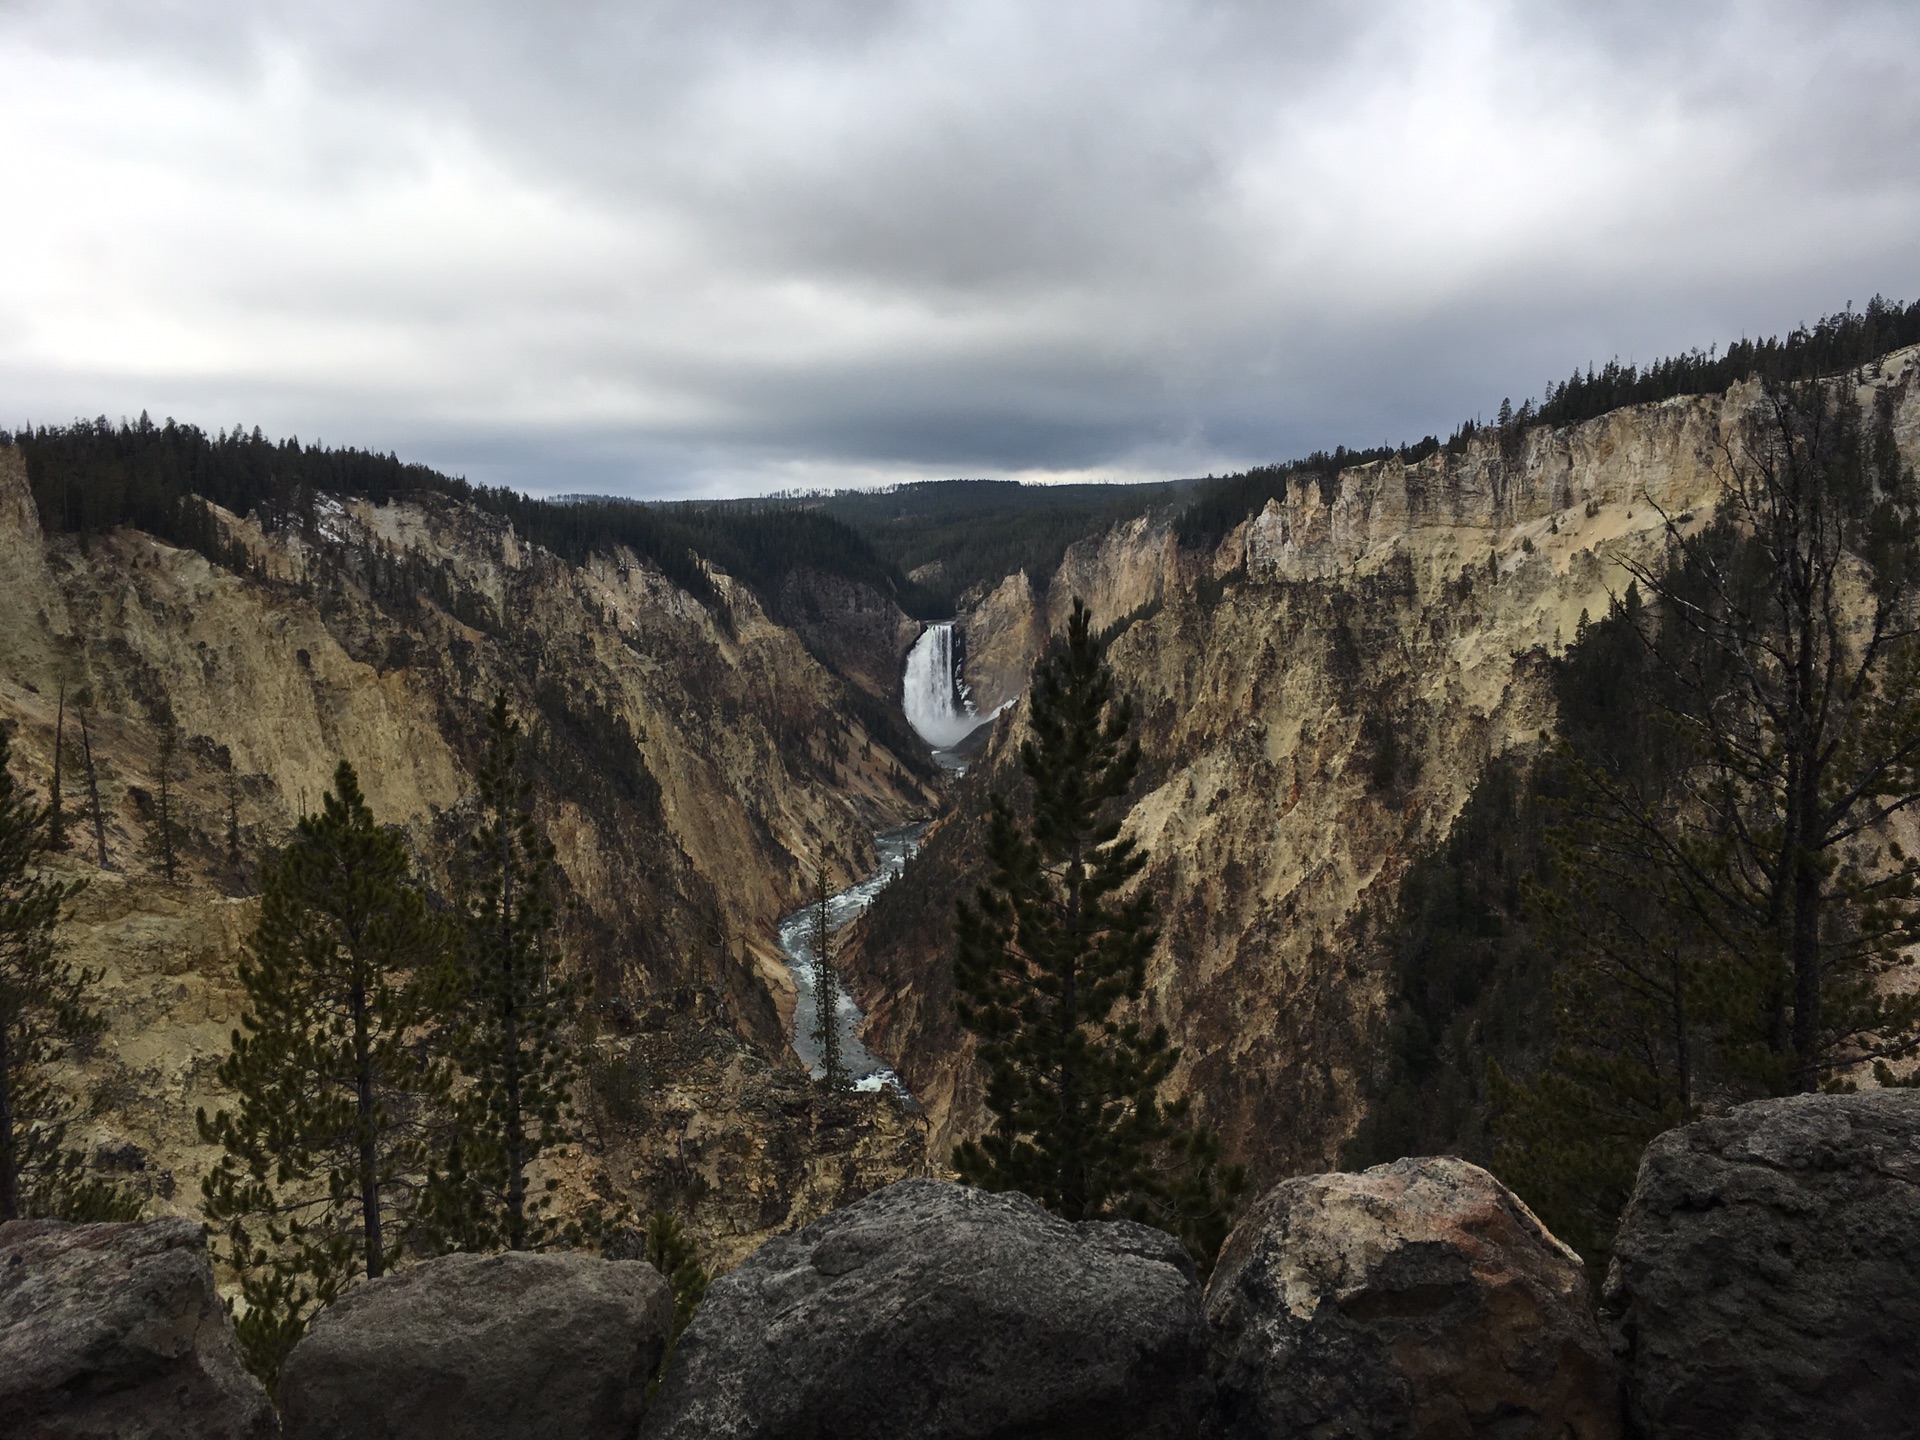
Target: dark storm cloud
(686,248)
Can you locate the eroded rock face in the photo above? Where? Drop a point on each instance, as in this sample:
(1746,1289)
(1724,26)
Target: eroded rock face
(1316,700)
(1419,1299)
(1766,1278)
(940,1312)
(115,1330)
(482,1347)
(697,771)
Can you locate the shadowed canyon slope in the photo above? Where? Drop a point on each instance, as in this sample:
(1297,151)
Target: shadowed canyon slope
(691,769)
(1316,699)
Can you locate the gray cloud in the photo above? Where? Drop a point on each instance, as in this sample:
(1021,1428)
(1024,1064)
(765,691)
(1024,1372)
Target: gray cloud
(680,249)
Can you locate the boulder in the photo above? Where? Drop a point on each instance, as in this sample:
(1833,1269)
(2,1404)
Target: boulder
(1766,1276)
(482,1347)
(941,1312)
(1419,1299)
(116,1330)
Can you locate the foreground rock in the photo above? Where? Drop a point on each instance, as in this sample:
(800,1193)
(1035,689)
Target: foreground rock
(1766,1278)
(1421,1298)
(473,1347)
(115,1330)
(940,1312)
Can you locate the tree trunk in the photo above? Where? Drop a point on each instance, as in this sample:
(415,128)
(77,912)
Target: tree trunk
(515,1139)
(363,1125)
(1806,973)
(56,815)
(1074,1199)
(1682,1061)
(93,790)
(9,1157)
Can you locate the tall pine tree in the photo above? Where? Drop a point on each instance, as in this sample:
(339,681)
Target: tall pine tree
(326,1150)
(826,986)
(512,1037)
(1051,947)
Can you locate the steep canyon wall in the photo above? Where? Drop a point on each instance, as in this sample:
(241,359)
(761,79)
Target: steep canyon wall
(1317,698)
(690,767)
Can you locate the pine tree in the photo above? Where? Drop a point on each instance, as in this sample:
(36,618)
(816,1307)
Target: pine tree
(1727,896)
(43,1012)
(670,1250)
(93,784)
(826,987)
(167,753)
(512,1038)
(233,817)
(56,812)
(327,1146)
(1049,949)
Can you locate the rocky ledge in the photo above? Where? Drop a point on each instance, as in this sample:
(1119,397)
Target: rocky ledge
(116,1331)
(1766,1283)
(1766,1279)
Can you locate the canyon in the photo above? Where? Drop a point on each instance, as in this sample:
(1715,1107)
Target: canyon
(694,766)
(1317,692)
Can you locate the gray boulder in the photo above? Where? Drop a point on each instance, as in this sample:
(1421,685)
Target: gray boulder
(116,1330)
(940,1312)
(1766,1278)
(482,1347)
(1419,1299)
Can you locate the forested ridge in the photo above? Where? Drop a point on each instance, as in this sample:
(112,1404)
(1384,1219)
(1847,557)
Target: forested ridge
(1831,345)
(973,533)
(93,475)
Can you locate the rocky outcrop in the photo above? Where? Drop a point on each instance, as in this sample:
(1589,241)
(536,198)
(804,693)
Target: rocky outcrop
(1120,573)
(940,1312)
(1766,1276)
(850,627)
(482,1347)
(696,1121)
(1003,630)
(1419,1299)
(115,1331)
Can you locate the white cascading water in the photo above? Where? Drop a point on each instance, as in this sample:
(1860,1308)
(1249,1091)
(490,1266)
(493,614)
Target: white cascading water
(931,693)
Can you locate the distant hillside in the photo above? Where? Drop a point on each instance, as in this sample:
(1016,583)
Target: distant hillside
(952,535)
(91,476)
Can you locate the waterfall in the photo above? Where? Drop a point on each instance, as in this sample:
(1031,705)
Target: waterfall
(932,693)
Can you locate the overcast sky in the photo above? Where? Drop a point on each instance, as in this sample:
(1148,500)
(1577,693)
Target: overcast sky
(679,249)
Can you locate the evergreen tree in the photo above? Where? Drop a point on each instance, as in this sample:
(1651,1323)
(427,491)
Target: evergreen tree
(93,784)
(43,1012)
(826,987)
(233,817)
(165,850)
(326,1149)
(56,812)
(511,1037)
(1047,952)
(1726,899)
(671,1251)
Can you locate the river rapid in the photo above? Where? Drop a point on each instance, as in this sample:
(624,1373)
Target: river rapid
(896,847)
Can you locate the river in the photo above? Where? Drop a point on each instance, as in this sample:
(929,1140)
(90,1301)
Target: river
(796,940)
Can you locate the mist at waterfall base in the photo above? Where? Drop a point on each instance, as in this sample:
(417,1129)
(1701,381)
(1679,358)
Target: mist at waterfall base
(896,847)
(934,696)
